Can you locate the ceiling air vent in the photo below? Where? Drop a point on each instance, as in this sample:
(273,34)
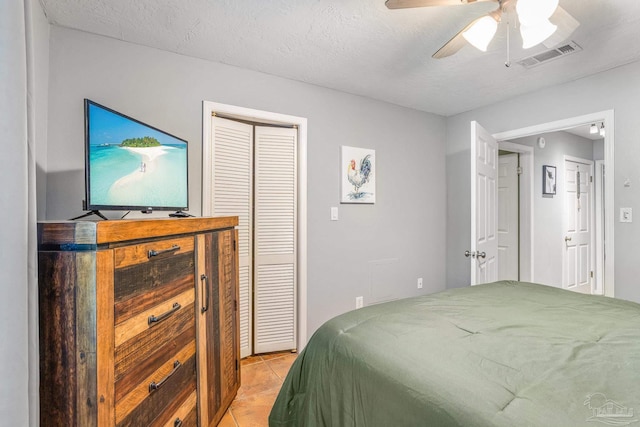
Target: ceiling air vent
(550,55)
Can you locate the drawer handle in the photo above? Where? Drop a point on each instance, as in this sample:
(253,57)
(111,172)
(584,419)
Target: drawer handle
(177,423)
(153,386)
(155,319)
(153,252)
(205,279)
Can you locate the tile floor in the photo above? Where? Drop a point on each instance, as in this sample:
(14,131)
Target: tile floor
(261,378)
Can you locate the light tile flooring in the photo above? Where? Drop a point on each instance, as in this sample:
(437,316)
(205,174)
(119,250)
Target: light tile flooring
(261,379)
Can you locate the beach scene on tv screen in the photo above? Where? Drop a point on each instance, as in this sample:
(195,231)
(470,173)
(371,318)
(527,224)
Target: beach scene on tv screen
(131,164)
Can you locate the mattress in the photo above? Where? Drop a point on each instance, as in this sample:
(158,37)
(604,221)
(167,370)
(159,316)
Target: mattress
(500,354)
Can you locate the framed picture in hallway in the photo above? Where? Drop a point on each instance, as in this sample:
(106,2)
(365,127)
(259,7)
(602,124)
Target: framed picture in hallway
(548,179)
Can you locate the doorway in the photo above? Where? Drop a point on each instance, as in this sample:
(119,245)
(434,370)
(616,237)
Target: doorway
(564,220)
(604,285)
(523,223)
(297,272)
(508,215)
(555,215)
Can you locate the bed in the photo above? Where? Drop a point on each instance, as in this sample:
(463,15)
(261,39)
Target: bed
(500,354)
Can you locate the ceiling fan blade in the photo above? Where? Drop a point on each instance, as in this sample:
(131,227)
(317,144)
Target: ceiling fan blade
(566,23)
(403,4)
(458,41)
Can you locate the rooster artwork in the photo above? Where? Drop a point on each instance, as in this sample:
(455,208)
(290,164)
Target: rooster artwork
(358,184)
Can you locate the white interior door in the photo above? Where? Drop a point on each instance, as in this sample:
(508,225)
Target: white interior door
(232,152)
(275,238)
(578,223)
(508,215)
(484,177)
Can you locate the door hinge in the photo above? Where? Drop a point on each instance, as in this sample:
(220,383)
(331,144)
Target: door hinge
(591,178)
(234,245)
(592,274)
(519,170)
(235,305)
(237,364)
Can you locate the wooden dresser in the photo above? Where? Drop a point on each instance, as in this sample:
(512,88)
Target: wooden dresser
(138,322)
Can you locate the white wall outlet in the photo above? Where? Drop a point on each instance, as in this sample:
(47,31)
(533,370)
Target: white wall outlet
(359,302)
(334,213)
(626,215)
(419,282)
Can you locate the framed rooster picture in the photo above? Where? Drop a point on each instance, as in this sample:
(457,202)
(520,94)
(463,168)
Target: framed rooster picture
(358,175)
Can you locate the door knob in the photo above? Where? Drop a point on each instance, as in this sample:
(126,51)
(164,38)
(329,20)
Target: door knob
(482,255)
(469,254)
(567,239)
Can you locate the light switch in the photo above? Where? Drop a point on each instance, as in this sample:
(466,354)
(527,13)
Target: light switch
(334,213)
(626,215)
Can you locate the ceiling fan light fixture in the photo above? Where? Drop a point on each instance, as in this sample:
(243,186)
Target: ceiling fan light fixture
(602,130)
(593,129)
(534,12)
(536,34)
(481,32)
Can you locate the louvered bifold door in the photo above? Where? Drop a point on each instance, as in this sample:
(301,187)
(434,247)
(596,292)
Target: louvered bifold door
(275,206)
(232,195)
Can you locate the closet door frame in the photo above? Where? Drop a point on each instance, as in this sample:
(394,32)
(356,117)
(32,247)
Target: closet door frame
(234,112)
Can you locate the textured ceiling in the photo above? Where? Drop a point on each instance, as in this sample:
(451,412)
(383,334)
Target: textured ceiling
(361,47)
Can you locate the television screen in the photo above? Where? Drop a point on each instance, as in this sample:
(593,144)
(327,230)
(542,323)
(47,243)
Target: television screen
(131,165)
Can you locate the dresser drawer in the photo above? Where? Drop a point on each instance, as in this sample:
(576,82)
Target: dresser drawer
(149,273)
(172,396)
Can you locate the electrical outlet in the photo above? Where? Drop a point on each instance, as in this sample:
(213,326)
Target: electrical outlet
(419,282)
(359,302)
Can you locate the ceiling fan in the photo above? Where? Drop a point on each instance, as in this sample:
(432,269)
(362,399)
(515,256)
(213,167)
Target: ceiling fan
(540,21)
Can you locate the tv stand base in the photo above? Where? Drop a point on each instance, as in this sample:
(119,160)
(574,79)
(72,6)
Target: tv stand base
(86,214)
(180,214)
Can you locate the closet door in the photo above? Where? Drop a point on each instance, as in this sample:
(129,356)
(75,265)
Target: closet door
(275,225)
(232,160)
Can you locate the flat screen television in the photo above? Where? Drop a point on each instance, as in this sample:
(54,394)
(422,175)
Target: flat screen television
(130,165)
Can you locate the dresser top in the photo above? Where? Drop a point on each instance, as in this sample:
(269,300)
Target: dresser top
(123,230)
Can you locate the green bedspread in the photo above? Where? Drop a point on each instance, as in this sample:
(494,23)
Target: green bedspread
(501,354)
